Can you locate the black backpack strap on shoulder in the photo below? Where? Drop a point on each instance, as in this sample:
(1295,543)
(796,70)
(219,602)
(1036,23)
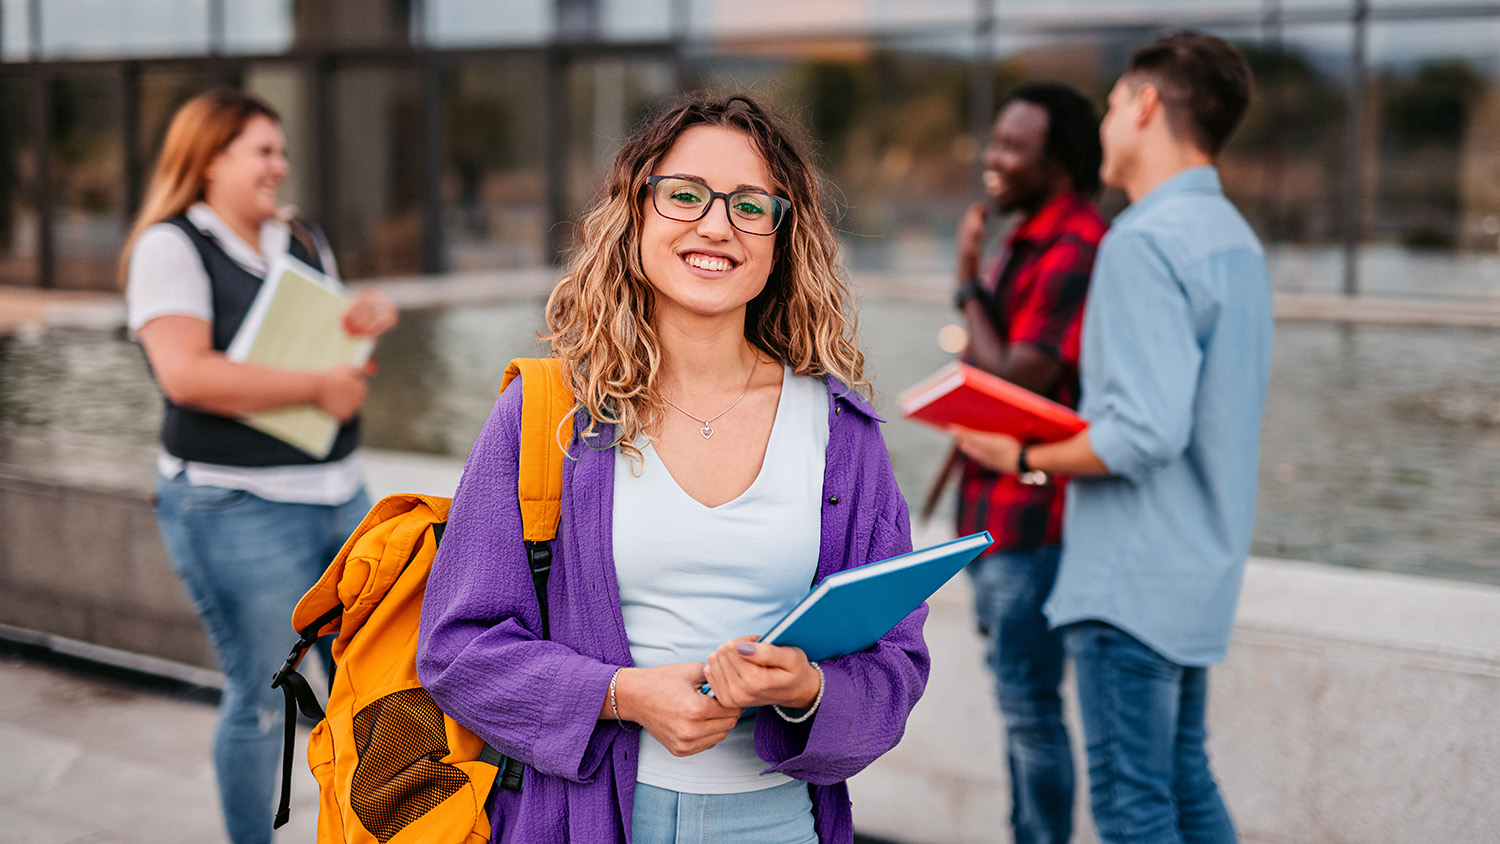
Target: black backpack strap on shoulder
(299,695)
(539,559)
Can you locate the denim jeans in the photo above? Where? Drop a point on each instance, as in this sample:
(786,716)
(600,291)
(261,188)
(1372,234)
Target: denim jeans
(778,815)
(1143,720)
(246,562)
(1026,659)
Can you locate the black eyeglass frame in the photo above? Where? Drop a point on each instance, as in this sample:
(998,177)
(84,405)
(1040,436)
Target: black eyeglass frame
(783,205)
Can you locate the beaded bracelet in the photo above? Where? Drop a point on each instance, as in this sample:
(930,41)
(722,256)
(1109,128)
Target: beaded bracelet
(612,707)
(822,683)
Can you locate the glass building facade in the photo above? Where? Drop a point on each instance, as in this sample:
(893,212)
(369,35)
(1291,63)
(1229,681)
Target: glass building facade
(462,135)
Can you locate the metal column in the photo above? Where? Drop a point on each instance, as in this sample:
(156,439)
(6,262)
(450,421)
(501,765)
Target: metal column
(554,105)
(1354,148)
(982,83)
(46,247)
(434,258)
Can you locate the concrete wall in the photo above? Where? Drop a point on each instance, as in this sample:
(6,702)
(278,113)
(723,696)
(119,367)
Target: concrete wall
(83,568)
(1355,707)
(82,559)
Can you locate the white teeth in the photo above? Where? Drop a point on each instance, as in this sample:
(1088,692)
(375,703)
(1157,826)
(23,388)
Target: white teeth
(707,262)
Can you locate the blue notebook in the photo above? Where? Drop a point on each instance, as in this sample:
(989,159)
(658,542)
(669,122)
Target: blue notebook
(850,610)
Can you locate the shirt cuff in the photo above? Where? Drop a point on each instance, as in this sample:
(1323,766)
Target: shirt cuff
(1115,451)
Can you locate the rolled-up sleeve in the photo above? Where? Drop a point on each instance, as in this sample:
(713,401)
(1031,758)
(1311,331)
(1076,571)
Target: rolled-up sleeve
(479,650)
(1141,358)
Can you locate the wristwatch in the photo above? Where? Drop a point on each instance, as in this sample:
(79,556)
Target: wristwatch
(1029,476)
(970,289)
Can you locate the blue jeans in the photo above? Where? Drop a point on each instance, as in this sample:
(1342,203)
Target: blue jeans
(246,562)
(1026,659)
(1143,719)
(778,815)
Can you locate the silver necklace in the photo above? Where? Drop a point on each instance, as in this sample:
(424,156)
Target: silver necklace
(707,429)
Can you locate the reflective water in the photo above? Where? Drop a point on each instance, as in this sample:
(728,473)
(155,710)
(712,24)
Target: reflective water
(1381,445)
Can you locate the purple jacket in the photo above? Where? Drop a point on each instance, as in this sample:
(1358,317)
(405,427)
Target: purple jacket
(538,700)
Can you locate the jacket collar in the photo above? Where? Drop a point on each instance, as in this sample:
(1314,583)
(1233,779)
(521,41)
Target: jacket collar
(1199,181)
(1048,222)
(840,396)
(275,235)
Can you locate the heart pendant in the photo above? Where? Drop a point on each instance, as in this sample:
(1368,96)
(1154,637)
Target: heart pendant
(706,431)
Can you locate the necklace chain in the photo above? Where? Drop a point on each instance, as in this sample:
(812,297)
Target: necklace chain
(707,430)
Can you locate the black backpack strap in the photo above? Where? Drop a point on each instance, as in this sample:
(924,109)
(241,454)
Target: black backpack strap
(539,558)
(298,694)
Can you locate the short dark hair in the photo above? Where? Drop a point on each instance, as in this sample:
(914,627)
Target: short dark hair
(1072,130)
(1204,84)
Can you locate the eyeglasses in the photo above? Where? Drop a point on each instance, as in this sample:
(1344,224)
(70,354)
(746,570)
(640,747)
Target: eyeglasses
(688,201)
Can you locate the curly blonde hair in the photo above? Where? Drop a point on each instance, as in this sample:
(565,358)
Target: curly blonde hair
(599,316)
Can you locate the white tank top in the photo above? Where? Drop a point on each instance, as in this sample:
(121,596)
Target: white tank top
(693,577)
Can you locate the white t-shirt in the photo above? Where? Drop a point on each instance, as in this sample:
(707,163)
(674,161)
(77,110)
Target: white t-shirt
(693,577)
(167,278)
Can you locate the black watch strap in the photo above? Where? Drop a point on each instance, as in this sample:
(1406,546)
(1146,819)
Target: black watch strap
(1028,475)
(970,289)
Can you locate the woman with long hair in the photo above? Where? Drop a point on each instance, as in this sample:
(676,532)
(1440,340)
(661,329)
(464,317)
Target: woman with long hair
(248,521)
(725,461)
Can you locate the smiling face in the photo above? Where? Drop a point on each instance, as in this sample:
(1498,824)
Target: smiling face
(243,179)
(1018,175)
(707,268)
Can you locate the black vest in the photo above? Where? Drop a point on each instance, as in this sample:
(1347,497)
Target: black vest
(208,437)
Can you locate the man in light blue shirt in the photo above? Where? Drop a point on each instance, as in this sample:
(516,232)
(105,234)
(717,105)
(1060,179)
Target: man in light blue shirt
(1176,357)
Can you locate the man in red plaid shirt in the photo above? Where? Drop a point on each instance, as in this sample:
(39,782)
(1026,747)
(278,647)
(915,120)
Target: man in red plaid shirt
(1024,316)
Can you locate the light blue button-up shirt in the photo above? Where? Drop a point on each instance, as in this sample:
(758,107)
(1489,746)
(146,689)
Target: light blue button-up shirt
(1176,356)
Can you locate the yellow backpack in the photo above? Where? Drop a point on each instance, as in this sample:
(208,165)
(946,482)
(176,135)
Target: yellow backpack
(390,766)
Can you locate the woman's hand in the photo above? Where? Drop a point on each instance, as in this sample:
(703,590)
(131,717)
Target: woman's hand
(667,702)
(745,673)
(369,314)
(341,391)
(996,452)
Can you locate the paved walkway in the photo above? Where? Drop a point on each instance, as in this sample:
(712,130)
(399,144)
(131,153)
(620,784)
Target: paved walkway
(91,761)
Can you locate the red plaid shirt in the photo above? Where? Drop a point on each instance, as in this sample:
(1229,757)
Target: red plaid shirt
(1036,295)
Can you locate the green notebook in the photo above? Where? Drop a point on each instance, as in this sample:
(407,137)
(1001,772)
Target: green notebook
(295,323)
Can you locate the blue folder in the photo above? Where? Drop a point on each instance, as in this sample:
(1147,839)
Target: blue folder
(850,610)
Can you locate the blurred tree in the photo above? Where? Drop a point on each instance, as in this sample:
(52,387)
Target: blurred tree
(835,93)
(1432,107)
(1423,121)
(12,120)
(1282,164)
(1295,106)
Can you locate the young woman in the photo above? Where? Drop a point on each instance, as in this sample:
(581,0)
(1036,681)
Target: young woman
(724,464)
(248,521)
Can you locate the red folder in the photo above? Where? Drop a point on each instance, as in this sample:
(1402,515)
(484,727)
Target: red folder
(959,394)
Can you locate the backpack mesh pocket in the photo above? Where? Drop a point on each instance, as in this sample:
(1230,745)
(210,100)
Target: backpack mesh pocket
(400,740)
